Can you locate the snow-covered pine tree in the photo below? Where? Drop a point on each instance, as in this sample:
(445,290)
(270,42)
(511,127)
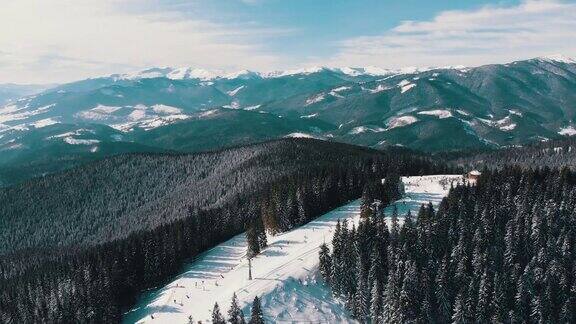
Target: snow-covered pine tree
(252,240)
(366,202)
(459,315)
(409,302)
(235,314)
(325,264)
(257,317)
(337,255)
(217,317)
(261,233)
(376,302)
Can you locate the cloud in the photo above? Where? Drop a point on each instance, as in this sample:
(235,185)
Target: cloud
(490,34)
(62,40)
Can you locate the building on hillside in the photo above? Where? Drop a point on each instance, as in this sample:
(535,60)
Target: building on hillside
(473,176)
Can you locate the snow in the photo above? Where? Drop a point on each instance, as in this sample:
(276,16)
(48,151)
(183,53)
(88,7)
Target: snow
(508,128)
(343,88)
(285,273)
(405,85)
(379,88)
(569,131)
(304,71)
(67,134)
(367,70)
(558,58)
(165,109)
(137,114)
(232,93)
(314,99)
(335,92)
(504,124)
(300,135)
(401,121)
(440,113)
(252,107)
(364,129)
(14,112)
(44,122)
(149,123)
(100,112)
(75,141)
(105,109)
(233,105)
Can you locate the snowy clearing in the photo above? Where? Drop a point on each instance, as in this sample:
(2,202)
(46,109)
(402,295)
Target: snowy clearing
(232,93)
(405,85)
(364,129)
(165,109)
(301,135)
(285,273)
(440,113)
(569,131)
(314,99)
(401,121)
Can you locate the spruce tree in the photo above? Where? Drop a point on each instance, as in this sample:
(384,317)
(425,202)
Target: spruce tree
(459,316)
(376,303)
(235,314)
(325,264)
(217,317)
(257,317)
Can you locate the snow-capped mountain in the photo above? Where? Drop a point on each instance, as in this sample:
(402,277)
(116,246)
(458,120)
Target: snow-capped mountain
(432,109)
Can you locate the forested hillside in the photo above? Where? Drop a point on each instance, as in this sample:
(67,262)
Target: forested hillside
(78,246)
(553,154)
(499,252)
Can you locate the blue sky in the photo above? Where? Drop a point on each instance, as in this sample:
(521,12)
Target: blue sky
(64,40)
(314,28)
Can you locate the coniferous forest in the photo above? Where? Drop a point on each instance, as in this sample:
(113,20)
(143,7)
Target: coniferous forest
(502,251)
(83,250)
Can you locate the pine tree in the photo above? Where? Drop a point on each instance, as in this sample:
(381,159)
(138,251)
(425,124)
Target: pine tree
(568,311)
(361,299)
(376,303)
(252,240)
(235,314)
(337,255)
(325,265)
(257,315)
(459,316)
(498,302)
(261,233)
(217,317)
(409,294)
(483,310)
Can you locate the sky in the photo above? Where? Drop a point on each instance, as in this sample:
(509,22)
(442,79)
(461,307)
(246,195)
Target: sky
(56,41)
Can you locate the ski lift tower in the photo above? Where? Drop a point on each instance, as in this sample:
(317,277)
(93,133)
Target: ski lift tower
(249,265)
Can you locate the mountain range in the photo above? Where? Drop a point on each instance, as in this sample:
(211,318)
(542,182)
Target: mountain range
(187,110)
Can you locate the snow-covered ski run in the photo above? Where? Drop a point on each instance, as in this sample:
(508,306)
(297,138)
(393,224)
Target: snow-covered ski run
(284,274)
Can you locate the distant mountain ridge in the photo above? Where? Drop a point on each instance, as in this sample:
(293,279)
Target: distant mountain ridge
(187,109)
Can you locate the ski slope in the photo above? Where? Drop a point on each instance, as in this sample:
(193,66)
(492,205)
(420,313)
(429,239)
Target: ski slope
(284,274)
